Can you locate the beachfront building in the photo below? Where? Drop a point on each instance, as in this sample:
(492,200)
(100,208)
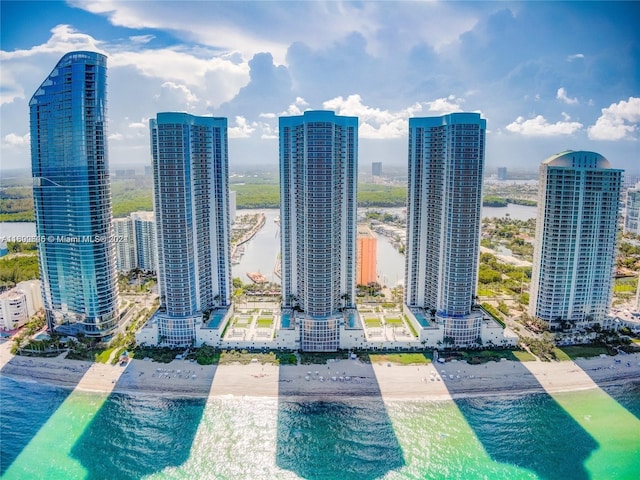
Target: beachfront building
(191,199)
(367,256)
(19,304)
(318,175)
(72,197)
(125,245)
(144,232)
(632,215)
(575,247)
(446,161)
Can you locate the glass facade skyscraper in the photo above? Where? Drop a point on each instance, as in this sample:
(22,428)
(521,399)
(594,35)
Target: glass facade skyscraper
(72,197)
(444,200)
(576,234)
(318,175)
(191,198)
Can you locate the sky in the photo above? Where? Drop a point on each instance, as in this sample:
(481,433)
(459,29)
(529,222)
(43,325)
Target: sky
(547,76)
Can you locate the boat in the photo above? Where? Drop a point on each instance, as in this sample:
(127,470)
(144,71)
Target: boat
(257,277)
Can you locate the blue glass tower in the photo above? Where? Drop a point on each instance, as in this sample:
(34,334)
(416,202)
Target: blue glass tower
(191,196)
(72,197)
(318,175)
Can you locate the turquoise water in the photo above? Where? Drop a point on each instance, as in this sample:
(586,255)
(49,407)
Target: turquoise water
(49,433)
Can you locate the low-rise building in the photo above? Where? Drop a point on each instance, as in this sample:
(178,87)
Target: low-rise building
(19,304)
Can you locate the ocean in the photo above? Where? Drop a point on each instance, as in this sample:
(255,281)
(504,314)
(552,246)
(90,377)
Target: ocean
(51,433)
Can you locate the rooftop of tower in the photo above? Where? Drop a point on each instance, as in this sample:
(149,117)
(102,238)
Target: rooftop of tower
(577,159)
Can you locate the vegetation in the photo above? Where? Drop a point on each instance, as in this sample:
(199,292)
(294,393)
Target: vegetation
(381,195)
(319,358)
(493,201)
(476,357)
(22,247)
(16,204)
(256,196)
(17,268)
(542,347)
(491,310)
(384,217)
(583,351)
(522,201)
(34,325)
(157,354)
(264,322)
(401,358)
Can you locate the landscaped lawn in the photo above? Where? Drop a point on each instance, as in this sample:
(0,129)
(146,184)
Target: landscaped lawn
(482,356)
(580,351)
(240,323)
(393,321)
(401,358)
(373,322)
(523,356)
(264,322)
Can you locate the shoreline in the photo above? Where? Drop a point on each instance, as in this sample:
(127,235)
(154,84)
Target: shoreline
(337,379)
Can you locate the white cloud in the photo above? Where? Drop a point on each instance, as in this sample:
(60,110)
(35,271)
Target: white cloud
(540,127)
(183,67)
(618,121)
(243,129)
(116,136)
(188,94)
(443,106)
(14,140)
(64,39)
(141,39)
(268,132)
(267,115)
(208,73)
(374,122)
(143,124)
(575,56)
(563,97)
(296,108)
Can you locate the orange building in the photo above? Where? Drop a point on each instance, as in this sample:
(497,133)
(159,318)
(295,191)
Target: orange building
(366,256)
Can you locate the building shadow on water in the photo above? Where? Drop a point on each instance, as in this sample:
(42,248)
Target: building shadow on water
(142,433)
(531,431)
(623,367)
(333,424)
(27,406)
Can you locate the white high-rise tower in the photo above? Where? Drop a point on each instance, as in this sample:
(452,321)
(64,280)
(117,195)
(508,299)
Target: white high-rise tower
(446,161)
(191,198)
(575,249)
(318,175)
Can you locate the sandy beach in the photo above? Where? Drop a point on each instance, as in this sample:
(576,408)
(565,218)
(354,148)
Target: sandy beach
(344,378)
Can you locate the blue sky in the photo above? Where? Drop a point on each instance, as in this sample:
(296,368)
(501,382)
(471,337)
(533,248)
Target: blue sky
(547,76)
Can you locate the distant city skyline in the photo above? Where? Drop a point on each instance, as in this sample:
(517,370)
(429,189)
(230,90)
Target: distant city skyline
(383,62)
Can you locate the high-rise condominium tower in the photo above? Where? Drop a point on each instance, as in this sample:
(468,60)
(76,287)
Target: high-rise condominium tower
(72,197)
(632,217)
(574,254)
(318,174)
(191,198)
(446,160)
(144,230)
